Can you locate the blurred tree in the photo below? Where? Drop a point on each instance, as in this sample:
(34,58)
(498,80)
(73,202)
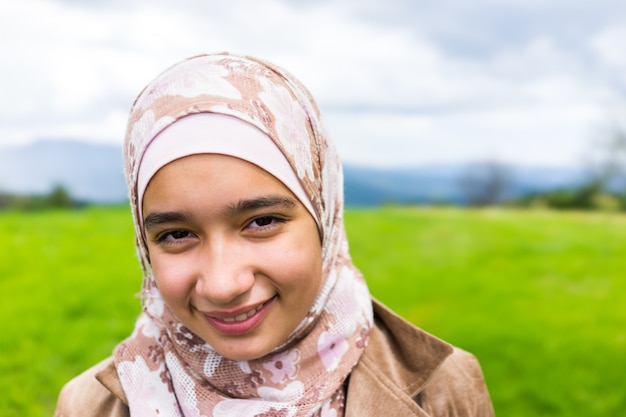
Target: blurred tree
(5,200)
(606,159)
(59,197)
(485,183)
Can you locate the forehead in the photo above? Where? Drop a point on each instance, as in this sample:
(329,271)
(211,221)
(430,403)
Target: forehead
(209,133)
(215,188)
(213,133)
(197,178)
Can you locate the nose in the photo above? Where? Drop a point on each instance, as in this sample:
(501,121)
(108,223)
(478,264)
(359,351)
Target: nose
(225,273)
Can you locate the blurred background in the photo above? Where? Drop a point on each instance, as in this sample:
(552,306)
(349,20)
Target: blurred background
(495,129)
(422,86)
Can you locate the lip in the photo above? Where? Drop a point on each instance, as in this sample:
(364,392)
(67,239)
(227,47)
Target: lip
(217,319)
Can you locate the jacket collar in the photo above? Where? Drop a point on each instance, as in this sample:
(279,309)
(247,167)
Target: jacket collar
(109,378)
(396,366)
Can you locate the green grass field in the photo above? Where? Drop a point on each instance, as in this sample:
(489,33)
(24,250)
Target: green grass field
(537,296)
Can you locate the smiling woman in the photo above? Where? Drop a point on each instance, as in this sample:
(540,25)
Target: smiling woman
(251,304)
(218,252)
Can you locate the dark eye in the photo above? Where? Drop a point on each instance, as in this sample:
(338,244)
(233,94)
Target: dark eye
(264,221)
(179,234)
(173,235)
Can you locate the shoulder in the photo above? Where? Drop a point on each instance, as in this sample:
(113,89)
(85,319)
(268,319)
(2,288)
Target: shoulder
(85,395)
(416,372)
(457,388)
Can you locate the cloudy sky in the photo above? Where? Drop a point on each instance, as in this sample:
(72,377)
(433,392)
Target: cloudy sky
(400,82)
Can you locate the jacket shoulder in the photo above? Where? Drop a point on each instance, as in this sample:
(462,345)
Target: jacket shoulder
(405,371)
(86,396)
(457,388)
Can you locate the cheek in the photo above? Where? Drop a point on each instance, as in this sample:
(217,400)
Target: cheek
(298,263)
(173,280)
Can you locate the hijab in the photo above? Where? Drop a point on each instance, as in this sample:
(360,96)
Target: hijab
(164,368)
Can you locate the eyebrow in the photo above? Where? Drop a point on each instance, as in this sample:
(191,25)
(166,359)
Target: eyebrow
(157,218)
(273,201)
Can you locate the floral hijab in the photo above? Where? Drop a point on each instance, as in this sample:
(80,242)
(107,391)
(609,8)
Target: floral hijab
(164,368)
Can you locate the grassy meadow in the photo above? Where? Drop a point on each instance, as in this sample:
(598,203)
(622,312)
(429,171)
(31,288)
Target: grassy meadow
(537,296)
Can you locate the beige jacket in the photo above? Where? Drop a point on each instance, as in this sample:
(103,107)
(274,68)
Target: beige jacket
(404,371)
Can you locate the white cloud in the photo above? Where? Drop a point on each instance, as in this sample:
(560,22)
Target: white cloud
(543,135)
(399,82)
(609,45)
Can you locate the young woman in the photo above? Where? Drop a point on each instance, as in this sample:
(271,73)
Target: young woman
(251,304)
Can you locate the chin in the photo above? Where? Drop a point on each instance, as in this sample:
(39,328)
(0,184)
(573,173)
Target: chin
(244,355)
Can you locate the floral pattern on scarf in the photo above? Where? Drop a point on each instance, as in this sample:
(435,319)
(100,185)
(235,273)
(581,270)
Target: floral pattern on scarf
(166,369)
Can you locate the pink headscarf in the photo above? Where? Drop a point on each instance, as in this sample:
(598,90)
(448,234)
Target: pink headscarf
(165,368)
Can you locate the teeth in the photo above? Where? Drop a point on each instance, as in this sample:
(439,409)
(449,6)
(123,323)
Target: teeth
(242,316)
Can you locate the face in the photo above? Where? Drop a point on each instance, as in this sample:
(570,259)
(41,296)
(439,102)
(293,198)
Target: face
(235,255)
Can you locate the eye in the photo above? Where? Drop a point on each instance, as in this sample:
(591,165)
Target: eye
(264,223)
(179,234)
(173,236)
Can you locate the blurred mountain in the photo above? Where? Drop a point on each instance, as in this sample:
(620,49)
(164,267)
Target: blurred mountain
(93,172)
(441,183)
(90,172)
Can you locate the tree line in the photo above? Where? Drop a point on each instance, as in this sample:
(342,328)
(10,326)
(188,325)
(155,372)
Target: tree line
(57,198)
(604,186)
(489,183)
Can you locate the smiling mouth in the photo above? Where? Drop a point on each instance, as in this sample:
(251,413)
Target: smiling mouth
(242,323)
(242,316)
